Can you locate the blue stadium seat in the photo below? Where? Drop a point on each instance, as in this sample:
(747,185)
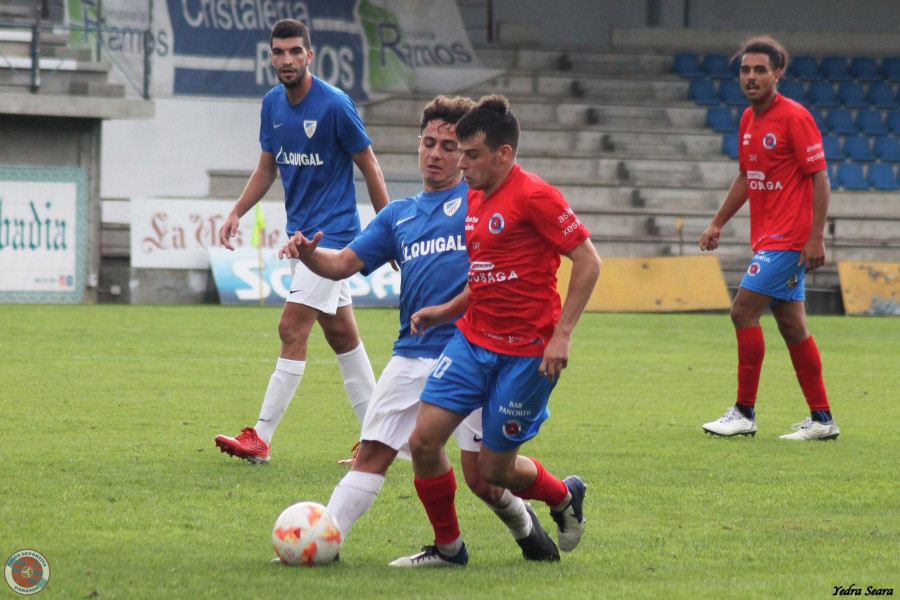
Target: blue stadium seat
(732,94)
(865,69)
(833,150)
(717,66)
(793,90)
(890,69)
(887,149)
(853,95)
(721,119)
(840,122)
(881,95)
(858,148)
(850,177)
(881,177)
(821,95)
(703,92)
(892,120)
(805,68)
(870,122)
(687,65)
(730,146)
(834,69)
(819,118)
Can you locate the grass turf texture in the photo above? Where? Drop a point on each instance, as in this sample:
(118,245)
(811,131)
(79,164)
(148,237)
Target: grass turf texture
(109,470)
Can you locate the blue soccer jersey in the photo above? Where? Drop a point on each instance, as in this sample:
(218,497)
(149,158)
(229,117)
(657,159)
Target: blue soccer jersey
(426,236)
(313,142)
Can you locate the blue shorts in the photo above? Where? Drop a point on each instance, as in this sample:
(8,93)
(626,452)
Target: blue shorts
(509,389)
(775,273)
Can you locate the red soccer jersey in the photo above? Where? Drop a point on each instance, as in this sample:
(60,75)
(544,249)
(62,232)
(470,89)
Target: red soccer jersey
(515,239)
(780,150)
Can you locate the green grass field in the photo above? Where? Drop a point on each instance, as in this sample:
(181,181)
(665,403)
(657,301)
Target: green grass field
(109,412)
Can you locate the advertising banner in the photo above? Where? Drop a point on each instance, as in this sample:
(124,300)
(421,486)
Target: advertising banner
(43,235)
(220,48)
(237,277)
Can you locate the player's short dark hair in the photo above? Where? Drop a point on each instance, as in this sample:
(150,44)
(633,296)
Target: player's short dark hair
(447,109)
(492,117)
(778,56)
(290,28)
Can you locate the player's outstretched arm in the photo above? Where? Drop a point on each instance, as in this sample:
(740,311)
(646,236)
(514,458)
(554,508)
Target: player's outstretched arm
(433,316)
(259,183)
(324,262)
(813,253)
(737,196)
(586,266)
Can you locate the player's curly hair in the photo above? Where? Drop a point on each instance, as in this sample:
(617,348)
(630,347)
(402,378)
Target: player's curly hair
(764,44)
(492,117)
(290,28)
(446,109)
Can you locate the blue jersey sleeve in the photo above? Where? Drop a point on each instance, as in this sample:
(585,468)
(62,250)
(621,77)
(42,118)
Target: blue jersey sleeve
(376,244)
(351,132)
(265,124)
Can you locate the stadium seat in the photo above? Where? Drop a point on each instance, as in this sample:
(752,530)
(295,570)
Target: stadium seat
(805,68)
(793,90)
(687,65)
(819,118)
(881,177)
(881,95)
(858,148)
(730,146)
(853,95)
(892,120)
(832,147)
(887,149)
(721,119)
(717,66)
(732,94)
(703,92)
(840,122)
(890,69)
(870,122)
(821,95)
(850,177)
(834,69)
(865,69)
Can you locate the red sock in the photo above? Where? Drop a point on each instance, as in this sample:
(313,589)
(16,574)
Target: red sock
(808,365)
(545,488)
(438,494)
(751,351)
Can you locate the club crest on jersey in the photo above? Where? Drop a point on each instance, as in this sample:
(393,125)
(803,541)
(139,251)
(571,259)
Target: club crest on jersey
(496,224)
(451,206)
(310,128)
(769,141)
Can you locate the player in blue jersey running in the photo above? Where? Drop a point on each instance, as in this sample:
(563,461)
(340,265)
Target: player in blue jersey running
(310,133)
(425,234)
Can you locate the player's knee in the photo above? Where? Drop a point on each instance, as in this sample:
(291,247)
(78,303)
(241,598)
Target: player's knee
(423,447)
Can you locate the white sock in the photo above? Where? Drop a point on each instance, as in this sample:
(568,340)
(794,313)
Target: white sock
(511,510)
(353,497)
(282,386)
(359,380)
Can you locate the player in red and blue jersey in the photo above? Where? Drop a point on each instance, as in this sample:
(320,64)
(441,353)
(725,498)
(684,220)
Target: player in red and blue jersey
(312,135)
(783,174)
(512,342)
(426,236)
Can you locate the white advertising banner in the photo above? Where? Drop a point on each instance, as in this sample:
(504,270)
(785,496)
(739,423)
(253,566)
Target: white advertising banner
(42,234)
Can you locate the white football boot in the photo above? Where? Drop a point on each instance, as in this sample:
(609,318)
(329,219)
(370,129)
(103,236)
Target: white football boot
(730,424)
(813,430)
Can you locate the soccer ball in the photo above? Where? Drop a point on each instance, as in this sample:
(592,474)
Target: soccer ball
(306,534)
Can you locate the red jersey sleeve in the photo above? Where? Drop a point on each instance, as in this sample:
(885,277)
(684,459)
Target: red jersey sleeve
(808,149)
(555,221)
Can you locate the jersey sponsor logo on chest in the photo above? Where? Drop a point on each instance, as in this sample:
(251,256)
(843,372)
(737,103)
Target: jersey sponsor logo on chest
(451,243)
(298,159)
(756,180)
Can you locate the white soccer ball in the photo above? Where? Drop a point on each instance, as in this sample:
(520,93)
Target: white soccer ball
(306,534)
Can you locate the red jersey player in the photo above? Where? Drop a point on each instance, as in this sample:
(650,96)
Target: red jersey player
(512,343)
(782,172)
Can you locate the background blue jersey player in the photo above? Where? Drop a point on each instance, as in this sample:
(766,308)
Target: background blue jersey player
(311,133)
(425,234)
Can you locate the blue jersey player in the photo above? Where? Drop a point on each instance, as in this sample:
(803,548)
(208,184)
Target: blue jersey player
(312,135)
(425,234)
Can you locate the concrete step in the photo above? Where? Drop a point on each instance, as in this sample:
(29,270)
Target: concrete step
(606,64)
(97,89)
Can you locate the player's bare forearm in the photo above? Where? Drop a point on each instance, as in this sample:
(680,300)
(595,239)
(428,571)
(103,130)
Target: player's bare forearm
(259,183)
(586,267)
(324,262)
(371,171)
(737,196)
(434,316)
(813,253)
